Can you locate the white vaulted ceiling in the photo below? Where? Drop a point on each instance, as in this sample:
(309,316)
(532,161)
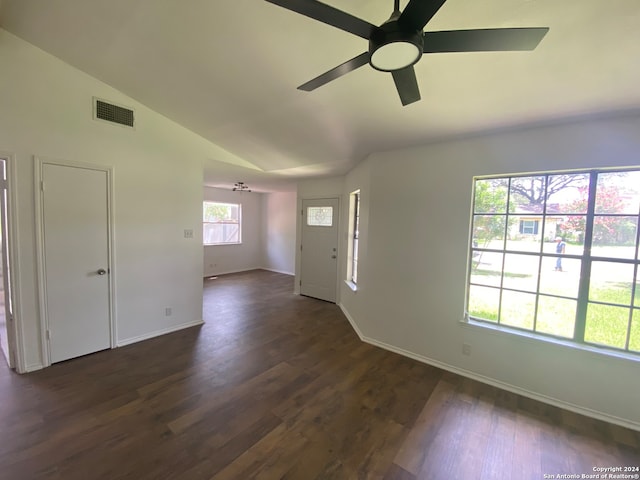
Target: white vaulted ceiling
(228,70)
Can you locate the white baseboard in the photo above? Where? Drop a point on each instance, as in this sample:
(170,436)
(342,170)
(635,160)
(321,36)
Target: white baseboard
(227,272)
(276,271)
(157,333)
(352,322)
(33,368)
(496,383)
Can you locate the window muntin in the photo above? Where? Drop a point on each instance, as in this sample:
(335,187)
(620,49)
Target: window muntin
(221,223)
(584,287)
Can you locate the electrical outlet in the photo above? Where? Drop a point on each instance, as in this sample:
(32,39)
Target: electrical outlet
(466,349)
(168,312)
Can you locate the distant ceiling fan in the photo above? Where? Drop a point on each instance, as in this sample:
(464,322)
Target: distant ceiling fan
(397,44)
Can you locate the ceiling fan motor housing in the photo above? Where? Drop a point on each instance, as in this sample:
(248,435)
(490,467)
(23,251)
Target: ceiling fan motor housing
(393,48)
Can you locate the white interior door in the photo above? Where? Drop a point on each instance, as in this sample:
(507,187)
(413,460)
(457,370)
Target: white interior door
(319,256)
(75,210)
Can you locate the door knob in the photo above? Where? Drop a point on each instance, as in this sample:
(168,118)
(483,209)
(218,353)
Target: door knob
(333,256)
(102,271)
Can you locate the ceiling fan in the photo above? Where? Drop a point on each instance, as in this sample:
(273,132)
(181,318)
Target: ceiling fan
(397,44)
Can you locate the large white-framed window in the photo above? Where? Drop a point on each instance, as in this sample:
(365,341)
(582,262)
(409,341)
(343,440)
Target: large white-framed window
(557,254)
(222,223)
(354,238)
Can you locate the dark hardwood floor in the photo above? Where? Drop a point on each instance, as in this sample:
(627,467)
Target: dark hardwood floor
(275,386)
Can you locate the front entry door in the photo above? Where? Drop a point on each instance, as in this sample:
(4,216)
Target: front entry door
(75,211)
(319,258)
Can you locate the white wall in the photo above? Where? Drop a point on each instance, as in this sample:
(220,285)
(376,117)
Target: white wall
(220,259)
(46,110)
(411,287)
(279,232)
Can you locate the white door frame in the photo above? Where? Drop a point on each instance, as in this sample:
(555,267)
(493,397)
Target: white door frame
(13,254)
(39,162)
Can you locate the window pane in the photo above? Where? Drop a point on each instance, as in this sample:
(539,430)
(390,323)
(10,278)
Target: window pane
(488,231)
(614,236)
(564,282)
(517,309)
(607,325)
(490,196)
(354,266)
(570,228)
(634,339)
(567,193)
(486,268)
(215,233)
(611,282)
(527,195)
(552,228)
(618,192)
(526,207)
(320,216)
(484,302)
(556,316)
(219,212)
(519,238)
(521,272)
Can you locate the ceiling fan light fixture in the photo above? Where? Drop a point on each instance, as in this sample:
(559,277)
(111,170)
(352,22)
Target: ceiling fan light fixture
(241,187)
(395,56)
(393,49)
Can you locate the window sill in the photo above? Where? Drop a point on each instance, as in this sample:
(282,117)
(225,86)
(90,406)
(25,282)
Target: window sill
(351,285)
(221,244)
(535,338)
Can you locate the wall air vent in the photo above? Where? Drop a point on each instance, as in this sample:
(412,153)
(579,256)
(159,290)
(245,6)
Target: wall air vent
(110,112)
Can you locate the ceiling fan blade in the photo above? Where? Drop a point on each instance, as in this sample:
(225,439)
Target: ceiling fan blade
(418,12)
(407,85)
(336,72)
(483,40)
(329,15)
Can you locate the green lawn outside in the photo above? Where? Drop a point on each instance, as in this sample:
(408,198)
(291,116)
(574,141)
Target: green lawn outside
(605,324)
